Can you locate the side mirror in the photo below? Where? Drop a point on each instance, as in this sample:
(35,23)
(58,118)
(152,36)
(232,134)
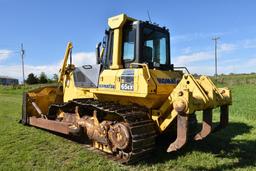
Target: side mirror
(104,41)
(97,53)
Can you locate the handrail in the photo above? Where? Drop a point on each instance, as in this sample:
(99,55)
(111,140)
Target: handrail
(182,68)
(143,66)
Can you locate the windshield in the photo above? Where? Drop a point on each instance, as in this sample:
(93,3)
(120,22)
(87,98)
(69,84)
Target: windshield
(154,46)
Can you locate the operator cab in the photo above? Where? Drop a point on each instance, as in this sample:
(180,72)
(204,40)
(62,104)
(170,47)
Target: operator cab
(127,41)
(142,42)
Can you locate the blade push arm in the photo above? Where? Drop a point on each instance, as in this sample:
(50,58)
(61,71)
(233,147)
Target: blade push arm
(64,64)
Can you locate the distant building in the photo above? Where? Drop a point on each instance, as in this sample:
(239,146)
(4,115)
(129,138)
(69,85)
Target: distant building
(4,80)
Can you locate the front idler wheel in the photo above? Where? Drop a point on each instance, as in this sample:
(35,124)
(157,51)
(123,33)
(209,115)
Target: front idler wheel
(119,136)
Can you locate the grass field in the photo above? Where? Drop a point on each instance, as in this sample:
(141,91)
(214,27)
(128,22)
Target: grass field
(28,148)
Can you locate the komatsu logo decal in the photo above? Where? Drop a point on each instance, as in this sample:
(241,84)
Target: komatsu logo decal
(106,86)
(167,81)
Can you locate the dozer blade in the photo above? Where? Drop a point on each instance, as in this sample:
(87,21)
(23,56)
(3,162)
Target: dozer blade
(206,125)
(223,118)
(182,131)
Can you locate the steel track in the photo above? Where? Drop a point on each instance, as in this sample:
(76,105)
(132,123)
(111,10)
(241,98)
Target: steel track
(142,128)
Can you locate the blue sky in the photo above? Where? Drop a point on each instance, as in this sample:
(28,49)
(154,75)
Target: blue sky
(45,27)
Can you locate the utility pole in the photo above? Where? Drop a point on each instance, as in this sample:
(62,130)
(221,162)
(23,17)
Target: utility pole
(22,63)
(215,39)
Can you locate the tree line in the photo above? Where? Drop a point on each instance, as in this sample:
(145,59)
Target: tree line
(41,79)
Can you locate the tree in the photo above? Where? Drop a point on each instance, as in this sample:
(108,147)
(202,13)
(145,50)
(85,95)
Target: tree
(55,78)
(43,78)
(32,79)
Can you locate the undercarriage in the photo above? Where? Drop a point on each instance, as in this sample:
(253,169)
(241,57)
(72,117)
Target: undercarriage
(125,132)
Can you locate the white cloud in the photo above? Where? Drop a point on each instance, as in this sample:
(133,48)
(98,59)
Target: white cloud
(83,58)
(195,36)
(202,62)
(229,61)
(249,43)
(79,59)
(239,67)
(193,57)
(4,54)
(198,62)
(226,69)
(226,66)
(186,50)
(189,57)
(15,71)
(227,47)
(241,44)
(251,62)
(202,70)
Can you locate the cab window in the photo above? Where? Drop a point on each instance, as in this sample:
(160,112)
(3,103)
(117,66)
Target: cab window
(129,43)
(154,46)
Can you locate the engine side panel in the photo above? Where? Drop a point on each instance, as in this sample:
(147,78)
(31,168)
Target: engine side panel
(127,86)
(87,76)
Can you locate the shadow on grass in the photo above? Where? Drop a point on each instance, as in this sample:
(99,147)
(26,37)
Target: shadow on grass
(219,144)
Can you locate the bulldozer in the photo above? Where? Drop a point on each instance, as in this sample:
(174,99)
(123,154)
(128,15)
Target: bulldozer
(129,97)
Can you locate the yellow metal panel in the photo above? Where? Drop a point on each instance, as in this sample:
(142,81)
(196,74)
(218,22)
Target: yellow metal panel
(64,63)
(118,21)
(43,98)
(117,49)
(169,80)
(72,92)
(110,83)
(168,120)
(190,95)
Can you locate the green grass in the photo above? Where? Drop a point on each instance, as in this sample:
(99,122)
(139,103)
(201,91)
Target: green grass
(28,148)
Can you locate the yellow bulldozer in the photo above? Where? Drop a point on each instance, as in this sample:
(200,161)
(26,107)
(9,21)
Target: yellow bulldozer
(130,96)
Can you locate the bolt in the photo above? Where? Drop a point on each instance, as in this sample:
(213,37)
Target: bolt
(170,98)
(180,93)
(179,105)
